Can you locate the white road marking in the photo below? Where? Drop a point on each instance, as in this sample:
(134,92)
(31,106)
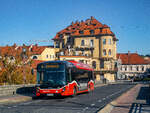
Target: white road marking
(8,107)
(87,108)
(107,97)
(26,103)
(14,106)
(99,101)
(104,98)
(92,104)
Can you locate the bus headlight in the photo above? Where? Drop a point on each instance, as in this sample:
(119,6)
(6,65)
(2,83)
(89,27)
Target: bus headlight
(38,89)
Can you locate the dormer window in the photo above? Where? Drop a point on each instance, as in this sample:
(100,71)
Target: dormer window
(61,35)
(91,32)
(81,32)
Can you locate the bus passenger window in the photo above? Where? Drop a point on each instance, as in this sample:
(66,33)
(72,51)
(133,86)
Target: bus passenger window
(41,77)
(69,79)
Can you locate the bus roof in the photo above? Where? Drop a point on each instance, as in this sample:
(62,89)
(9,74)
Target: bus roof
(78,65)
(81,65)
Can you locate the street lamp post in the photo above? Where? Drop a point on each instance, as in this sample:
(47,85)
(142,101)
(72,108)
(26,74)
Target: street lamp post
(24,57)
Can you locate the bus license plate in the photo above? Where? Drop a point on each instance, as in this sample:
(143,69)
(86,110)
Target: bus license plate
(50,94)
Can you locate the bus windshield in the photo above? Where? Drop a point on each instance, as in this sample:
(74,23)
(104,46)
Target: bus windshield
(53,75)
(54,78)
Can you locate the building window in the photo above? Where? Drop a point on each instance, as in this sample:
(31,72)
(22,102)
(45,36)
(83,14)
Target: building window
(109,52)
(82,61)
(137,68)
(142,68)
(121,68)
(46,56)
(102,64)
(104,52)
(94,64)
(57,45)
(109,41)
(81,32)
(125,68)
(131,68)
(82,43)
(104,41)
(91,32)
(91,43)
(83,53)
(34,57)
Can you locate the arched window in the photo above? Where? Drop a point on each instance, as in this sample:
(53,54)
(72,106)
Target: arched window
(104,52)
(94,64)
(109,52)
(34,57)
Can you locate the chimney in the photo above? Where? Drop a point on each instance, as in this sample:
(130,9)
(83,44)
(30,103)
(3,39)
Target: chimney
(128,57)
(128,52)
(72,23)
(92,18)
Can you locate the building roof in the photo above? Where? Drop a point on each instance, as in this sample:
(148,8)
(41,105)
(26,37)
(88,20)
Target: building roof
(85,28)
(131,58)
(14,50)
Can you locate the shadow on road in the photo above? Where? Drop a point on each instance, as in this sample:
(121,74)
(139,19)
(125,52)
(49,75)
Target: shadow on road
(26,91)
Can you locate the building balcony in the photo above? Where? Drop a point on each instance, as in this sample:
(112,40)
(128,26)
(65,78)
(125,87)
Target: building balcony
(84,48)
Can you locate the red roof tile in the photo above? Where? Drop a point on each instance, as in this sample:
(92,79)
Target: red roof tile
(131,58)
(85,26)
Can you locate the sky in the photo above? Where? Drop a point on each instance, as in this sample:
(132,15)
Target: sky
(38,21)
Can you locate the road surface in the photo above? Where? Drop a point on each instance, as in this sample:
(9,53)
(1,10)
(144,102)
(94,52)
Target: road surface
(83,103)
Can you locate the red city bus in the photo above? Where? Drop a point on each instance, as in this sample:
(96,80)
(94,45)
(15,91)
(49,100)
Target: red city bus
(63,78)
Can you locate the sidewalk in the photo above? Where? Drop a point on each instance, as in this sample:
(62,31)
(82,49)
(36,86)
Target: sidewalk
(14,99)
(136,100)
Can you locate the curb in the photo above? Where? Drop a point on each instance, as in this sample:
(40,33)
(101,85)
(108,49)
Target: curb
(110,106)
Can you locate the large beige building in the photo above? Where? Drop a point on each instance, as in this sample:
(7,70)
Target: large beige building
(93,40)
